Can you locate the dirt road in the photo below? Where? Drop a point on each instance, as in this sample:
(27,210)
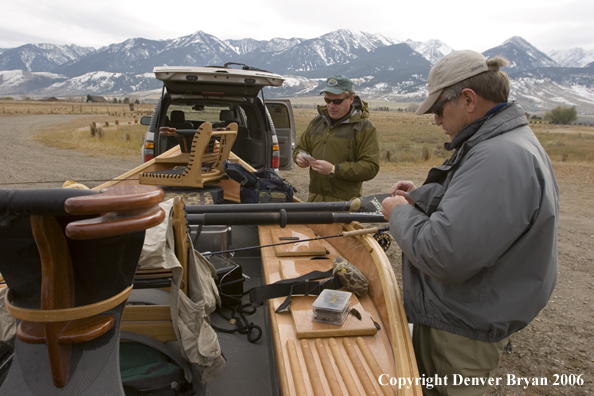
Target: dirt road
(558,347)
(24,161)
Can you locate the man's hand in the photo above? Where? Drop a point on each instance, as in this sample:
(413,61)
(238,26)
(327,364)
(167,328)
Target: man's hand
(301,162)
(390,203)
(405,186)
(402,188)
(321,166)
(400,192)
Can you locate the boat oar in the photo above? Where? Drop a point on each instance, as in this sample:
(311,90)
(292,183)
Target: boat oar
(282,218)
(363,231)
(367,204)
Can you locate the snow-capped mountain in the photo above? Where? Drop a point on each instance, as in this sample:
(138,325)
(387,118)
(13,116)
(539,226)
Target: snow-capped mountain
(115,83)
(432,50)
(244,46)
(573,57)
(388,72)
(41,57)
(139,56)
(338,47)
(544,88)
(521,54)
(380,67)
(19,82)
(278,44)
(122,58)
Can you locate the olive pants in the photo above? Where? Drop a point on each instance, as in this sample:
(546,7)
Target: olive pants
(440,354)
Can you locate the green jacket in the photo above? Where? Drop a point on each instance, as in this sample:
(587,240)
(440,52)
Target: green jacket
(352,145)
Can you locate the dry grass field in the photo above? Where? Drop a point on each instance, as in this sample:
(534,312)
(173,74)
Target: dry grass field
(403,135)
(8,107)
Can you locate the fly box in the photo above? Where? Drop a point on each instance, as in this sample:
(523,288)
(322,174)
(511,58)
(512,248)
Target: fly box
(331,306)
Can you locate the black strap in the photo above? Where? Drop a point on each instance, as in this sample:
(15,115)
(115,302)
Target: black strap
(303,285)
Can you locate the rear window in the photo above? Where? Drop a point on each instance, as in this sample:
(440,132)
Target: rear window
(279,114)
(203,113)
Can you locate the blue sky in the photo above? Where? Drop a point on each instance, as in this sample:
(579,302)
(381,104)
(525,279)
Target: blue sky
(462,24)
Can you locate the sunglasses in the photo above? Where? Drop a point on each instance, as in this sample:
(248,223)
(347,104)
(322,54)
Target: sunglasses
(334,101)
(437,108)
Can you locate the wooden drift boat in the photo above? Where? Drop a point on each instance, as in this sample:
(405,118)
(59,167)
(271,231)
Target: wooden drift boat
(294,355)
(324,359)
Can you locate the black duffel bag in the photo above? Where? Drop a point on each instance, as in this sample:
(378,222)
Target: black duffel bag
(259,187)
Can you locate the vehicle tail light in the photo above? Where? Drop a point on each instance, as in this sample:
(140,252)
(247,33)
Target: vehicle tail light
(275,156)
(148,151)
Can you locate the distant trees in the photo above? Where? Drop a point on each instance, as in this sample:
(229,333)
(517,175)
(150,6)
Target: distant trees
(413,107)
(562,115)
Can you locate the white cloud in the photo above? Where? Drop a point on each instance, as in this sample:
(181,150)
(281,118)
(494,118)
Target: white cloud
(547,24)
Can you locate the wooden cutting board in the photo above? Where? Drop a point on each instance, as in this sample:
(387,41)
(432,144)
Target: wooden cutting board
(301,309)
(310,248)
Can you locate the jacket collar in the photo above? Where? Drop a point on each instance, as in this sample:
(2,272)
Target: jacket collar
(357,111)
(469,130)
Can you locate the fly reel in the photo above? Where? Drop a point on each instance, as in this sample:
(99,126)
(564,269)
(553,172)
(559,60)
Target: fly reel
(383,240)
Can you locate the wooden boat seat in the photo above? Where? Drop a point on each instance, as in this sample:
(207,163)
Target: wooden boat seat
(69,274)
(203,164)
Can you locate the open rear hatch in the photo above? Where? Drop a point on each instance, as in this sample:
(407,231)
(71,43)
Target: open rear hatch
(215,80)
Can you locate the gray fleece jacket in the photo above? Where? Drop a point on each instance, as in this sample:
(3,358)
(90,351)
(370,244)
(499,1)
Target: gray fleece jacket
(480,244)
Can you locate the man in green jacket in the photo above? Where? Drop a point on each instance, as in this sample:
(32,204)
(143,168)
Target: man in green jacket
(340,146)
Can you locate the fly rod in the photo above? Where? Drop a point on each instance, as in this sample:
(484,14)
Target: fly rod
(363,231)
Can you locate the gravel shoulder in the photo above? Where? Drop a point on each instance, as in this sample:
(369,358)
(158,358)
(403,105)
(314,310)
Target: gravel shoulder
(557,346)
(25,162)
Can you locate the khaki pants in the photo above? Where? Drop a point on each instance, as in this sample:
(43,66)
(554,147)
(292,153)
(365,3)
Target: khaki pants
(440,354)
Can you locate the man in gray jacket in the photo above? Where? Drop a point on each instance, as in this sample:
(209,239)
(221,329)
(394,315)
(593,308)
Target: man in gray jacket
(479,237)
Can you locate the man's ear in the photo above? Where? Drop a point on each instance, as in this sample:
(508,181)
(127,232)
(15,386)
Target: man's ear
(470,100)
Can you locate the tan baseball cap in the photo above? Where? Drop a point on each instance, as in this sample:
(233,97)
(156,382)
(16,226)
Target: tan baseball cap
(449,70)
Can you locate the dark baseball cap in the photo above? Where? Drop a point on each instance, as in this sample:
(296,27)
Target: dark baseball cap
(337,84)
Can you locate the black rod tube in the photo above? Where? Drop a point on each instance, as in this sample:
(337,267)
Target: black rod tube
(273,207)
(283,218)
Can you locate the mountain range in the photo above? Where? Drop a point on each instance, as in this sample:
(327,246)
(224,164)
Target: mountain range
(382,68)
